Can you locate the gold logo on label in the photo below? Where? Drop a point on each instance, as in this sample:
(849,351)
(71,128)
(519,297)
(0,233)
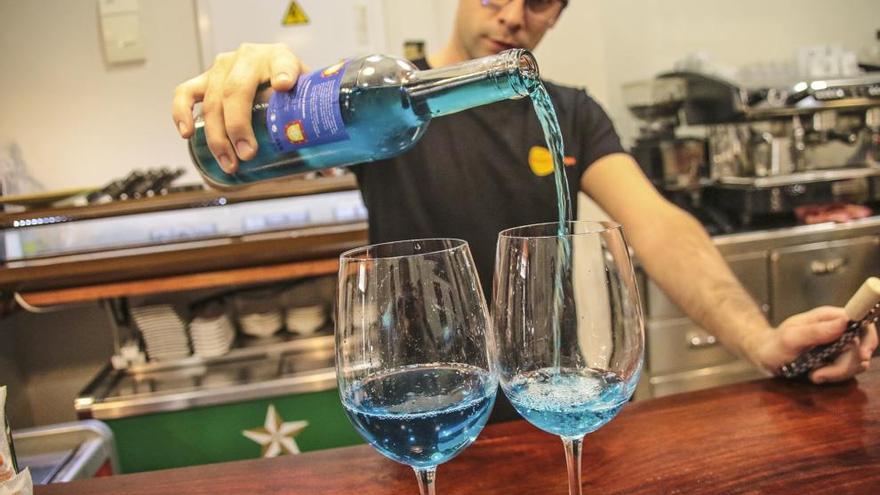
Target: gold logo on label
(333,69)
(295,133)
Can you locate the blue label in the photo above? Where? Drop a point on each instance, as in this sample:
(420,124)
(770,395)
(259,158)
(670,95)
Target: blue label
(309,114)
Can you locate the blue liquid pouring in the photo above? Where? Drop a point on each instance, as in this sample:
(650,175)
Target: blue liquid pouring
(422,416)
(567,402)
(553,135)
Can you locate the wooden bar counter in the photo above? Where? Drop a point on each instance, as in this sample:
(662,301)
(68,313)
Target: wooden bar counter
(769,436)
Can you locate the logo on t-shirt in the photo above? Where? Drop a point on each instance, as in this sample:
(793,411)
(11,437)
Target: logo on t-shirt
(541,161)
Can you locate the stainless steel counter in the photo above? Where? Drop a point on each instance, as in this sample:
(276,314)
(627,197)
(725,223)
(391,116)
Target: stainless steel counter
(732,244)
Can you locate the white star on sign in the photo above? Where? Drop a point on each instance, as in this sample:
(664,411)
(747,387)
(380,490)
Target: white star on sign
(276,436)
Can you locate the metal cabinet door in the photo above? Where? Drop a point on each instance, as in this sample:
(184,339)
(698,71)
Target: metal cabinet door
(680,345)
(803,277)
(751,270)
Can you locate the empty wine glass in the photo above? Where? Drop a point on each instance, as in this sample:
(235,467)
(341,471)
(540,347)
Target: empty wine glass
(412,358)
(568,328)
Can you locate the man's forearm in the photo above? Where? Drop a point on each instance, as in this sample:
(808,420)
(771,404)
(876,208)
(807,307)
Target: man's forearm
(681,258)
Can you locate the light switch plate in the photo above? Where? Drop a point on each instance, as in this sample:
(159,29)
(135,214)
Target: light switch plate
(121,31)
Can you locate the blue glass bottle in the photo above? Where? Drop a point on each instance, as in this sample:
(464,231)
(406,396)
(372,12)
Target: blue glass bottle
(361,110)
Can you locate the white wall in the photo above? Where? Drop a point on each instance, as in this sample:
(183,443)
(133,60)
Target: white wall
(574,51)
(79,121)
(569,55)
(336,28)
(602,44)
(644,37)
(426,20)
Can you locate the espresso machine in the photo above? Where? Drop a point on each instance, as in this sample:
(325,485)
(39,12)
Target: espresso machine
(742,158)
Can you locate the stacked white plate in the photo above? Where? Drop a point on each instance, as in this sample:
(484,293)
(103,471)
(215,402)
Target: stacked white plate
(163,331)
(211,335)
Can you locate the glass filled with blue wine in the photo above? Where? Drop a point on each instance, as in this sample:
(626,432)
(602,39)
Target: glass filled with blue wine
(568,328)
(412,350)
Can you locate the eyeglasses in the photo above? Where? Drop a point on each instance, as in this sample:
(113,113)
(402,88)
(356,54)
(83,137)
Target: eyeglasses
(540,8)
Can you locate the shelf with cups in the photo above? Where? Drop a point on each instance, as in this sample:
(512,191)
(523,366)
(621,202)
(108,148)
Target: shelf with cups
(251,342)
(213,326)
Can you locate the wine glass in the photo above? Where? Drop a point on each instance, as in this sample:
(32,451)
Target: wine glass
(412,351)
(568,328)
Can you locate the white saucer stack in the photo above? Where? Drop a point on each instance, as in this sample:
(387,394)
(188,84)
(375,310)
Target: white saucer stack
(261,324)
(212,335)
(307,305)
(259,312)
(305,320)
(163,330)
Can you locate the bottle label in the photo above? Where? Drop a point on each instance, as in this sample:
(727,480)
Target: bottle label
(309,114)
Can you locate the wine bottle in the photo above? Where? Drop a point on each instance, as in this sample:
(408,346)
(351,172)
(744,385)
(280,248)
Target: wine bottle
(361,110)
(862,310)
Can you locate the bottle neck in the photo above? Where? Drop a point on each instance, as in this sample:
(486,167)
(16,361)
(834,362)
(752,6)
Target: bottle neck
(511,74)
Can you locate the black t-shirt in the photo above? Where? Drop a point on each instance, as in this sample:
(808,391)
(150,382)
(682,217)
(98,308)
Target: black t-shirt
(470,175)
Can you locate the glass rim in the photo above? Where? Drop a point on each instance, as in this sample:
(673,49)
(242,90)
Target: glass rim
(595,227)
(351,254)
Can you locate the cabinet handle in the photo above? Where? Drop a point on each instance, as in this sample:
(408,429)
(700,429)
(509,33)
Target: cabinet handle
(827,267)
(699,340)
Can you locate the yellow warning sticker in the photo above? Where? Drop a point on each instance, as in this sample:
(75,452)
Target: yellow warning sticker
(295,15)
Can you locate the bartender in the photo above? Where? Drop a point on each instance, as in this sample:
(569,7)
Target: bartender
(471,177)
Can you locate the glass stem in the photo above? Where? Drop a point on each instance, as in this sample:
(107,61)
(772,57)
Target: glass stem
(426,478)
(573,460)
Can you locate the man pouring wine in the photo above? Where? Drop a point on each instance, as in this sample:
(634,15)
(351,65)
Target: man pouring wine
(478,172)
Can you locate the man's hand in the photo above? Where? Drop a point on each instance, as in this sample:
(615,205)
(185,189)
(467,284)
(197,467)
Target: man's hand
(772,349)
(227,92)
